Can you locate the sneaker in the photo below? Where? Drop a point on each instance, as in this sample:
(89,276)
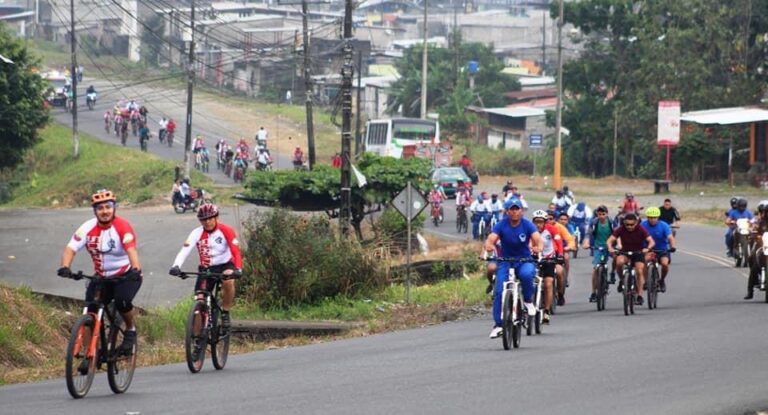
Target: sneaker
(613,278)
(593,298)
(226,323)
(531,309)
(129,341)
(545,318)
(496,332)
(662,286)
(489,288)
(561,300)
(749,295)
(639,300)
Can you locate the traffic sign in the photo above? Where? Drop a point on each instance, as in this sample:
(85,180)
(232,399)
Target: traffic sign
(418,202)
(535,141)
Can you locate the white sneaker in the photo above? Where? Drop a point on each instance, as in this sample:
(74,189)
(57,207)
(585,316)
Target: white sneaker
(531,309)
(496,332)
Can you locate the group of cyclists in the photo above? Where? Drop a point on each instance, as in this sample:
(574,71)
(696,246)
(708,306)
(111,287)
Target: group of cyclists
(132,114)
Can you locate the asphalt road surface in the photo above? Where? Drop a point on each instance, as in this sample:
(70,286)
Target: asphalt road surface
(701,352)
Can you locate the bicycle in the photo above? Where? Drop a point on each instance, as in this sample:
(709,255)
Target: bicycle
(629,281)
(143,144)
(654,276)
(204,325)
(169,138)
(602,278)
(514,315)
(93,342)
(123,135)
(482,228)
(462,222)
(577,237)
(435,213)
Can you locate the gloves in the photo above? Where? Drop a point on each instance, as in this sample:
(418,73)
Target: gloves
(175,271)
(64,272)
(237,274)
(672,249)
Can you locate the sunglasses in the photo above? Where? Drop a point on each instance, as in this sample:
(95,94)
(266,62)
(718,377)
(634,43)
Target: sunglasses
(630,225)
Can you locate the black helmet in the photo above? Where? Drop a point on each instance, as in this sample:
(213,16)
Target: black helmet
(734,201)
(762,207)
(742,203)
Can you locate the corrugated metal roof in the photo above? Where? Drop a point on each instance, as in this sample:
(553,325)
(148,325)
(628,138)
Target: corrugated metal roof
(726,116)
(515,111)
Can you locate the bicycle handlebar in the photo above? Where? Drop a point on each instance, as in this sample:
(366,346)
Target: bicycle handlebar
(215,275)
(504,259)
(79,275)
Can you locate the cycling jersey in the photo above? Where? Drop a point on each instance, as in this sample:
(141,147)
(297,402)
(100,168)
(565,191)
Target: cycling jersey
(215,248)
(553,242)
(669,215)
(660,234)
(570,242)
(107,245)
(514,240)
(633,240)
(579,213)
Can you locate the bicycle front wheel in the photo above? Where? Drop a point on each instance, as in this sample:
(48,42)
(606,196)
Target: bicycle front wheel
(507,320)
(652,285)
(79,368)
(195,341)
(219,343)
(517,324)
(120,366)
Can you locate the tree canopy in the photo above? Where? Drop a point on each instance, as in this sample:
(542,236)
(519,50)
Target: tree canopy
(703,53)
(448,85)
(22,110)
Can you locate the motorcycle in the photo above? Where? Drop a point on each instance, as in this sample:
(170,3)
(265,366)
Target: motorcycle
(196,198)
(91,100)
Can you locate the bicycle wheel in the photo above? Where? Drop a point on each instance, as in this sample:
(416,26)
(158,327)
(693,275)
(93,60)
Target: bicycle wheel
(632,295)
(78,383)
(120,367)
(219,343)
(653,288)
(506,318)
(601,288)
(517,325)
(626,295)
(529,324)
(537,321)
(555,289)
(195,341)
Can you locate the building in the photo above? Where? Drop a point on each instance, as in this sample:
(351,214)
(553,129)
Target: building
(507,128)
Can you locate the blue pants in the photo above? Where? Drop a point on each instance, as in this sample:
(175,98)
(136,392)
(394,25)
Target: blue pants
(476,223)
(729,239)
(525,272)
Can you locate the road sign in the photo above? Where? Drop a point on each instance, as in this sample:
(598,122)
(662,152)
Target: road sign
(535,140)
(418,202)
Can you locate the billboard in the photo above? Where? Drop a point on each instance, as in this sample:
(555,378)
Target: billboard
(669,123)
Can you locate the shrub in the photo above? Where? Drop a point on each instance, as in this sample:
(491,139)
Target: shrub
(292,259)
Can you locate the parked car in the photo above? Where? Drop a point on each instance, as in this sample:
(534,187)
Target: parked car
(449,178)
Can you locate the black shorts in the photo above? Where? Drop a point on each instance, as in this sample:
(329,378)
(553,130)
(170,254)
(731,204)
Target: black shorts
(547,270)
(206,283)
(635,257)
(122,291)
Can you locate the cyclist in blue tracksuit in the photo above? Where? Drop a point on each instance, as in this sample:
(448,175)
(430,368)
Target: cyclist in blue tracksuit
(480,208)
(497,207)
(516,234)
(580,214)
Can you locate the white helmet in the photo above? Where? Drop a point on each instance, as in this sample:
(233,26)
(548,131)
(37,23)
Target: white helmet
(540,214)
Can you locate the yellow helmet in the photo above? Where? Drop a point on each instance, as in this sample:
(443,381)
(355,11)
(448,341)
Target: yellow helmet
(652,212)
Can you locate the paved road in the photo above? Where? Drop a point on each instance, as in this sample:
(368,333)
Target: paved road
(699,353)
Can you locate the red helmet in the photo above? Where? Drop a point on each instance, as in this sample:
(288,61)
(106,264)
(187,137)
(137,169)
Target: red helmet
(207,211)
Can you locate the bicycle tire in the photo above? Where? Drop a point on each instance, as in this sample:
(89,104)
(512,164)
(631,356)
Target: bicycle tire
(555,287)
(120,368)
(632,295)
(79,384)
(626,295)
(506,321)
(517,326)
(600,288)
(529,324)
(537,321)
(481,230)
(219,343)
(194,331)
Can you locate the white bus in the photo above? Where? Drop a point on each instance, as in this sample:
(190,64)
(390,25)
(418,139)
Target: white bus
(386,137)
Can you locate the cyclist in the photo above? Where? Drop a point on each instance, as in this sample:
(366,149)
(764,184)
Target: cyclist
(630,205)
(569,193)
(436,197)
(497,207)
(198,145)
(111,242)
(570,245)
(670,215)
(513,192)
(263,159)
(298,158)
(580,215)
(170,129)
(261,138)
(507,189)
(758,259)
(481,209)
(633,239)
(663,241)
(219,252)
(162,130)
(740,212)
(561,201)
(143,135)
(463,196)
(599,230)
(552,249)
(107,120)
(515,234)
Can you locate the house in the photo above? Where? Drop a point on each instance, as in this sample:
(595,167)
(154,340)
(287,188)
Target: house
(507,128)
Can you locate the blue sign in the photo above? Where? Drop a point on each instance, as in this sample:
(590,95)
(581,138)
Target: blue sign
(473,67)
(535,140)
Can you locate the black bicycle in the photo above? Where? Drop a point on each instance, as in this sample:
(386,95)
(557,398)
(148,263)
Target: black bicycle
(629,282)
(462,221)
(652,285)
(204,324)
(602,277)
(94,341)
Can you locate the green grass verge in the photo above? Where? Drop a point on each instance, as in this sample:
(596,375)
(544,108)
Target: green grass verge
(51,175)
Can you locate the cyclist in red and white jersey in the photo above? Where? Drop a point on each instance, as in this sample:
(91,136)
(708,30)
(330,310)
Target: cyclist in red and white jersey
(219,252)
(111,242)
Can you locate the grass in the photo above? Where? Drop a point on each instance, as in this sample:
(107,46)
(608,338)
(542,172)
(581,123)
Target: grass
(52,176)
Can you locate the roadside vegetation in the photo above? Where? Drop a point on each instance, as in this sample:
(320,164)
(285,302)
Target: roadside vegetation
(50,176)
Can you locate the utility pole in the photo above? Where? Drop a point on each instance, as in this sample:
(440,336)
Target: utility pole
(347,74)
(359,107)
(455,41)
(424,68)
(73,44)
(308,87)
(190,83)
(558,127)
(543,42)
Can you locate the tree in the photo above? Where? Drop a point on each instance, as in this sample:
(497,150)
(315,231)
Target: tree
(319,190)
(22,110)
(705,54)
(448,92)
